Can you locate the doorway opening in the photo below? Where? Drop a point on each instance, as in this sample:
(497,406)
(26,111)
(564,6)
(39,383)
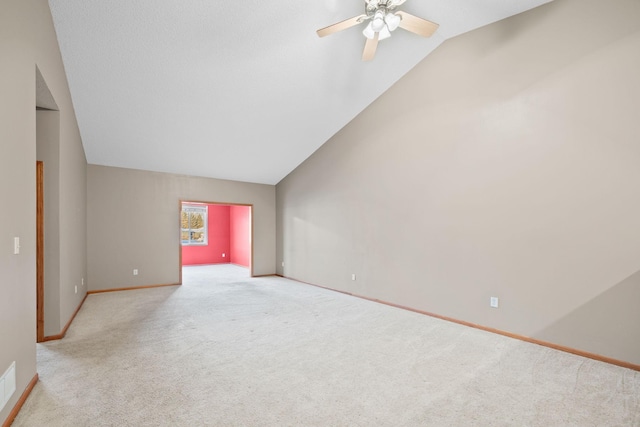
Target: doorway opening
(47,211)
(216,233)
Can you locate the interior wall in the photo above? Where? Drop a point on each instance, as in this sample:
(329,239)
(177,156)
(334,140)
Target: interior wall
(117,244)
(240,232)
(27,39)
(217,250)
(73,218)
(505,164)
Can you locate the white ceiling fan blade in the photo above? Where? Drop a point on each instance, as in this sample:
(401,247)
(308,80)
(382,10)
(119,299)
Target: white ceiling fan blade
(370,48)
(343,25)
(417,25)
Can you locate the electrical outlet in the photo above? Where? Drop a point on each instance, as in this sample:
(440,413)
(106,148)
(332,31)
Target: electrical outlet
(135,271)
(494,302)
(83,281)
(353,276)
(224,255)
(283,263)
(16,245)
(76,287)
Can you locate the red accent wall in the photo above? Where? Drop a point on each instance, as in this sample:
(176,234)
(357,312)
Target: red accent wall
(240,235)
(218,243)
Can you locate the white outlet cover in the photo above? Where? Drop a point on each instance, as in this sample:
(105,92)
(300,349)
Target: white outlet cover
(494,302)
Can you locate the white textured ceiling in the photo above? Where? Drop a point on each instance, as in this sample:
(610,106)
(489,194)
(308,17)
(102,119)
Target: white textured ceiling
(240,90)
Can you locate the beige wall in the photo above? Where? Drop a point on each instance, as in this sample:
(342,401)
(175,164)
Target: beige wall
(505,164)
(27,40)
(134,223)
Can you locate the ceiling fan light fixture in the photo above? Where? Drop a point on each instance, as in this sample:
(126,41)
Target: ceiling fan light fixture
(368,32)
(384,33)
(392,20)
(378,23)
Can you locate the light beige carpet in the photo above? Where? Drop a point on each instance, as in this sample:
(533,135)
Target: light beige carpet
(228,350)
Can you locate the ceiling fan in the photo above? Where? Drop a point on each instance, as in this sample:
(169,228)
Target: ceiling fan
(383,19)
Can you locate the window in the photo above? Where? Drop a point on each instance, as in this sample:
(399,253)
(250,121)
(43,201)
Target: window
(193,225)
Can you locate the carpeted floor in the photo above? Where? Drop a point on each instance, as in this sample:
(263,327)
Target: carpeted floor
(228,350)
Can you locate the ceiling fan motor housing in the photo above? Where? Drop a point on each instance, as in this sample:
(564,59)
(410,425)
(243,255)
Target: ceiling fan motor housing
(384,6)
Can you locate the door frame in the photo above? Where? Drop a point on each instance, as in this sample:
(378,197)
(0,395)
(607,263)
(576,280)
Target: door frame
(39,251)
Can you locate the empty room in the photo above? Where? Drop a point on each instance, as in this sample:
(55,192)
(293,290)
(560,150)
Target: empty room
(354,213)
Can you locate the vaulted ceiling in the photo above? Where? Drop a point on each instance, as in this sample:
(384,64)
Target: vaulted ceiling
(241,90)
